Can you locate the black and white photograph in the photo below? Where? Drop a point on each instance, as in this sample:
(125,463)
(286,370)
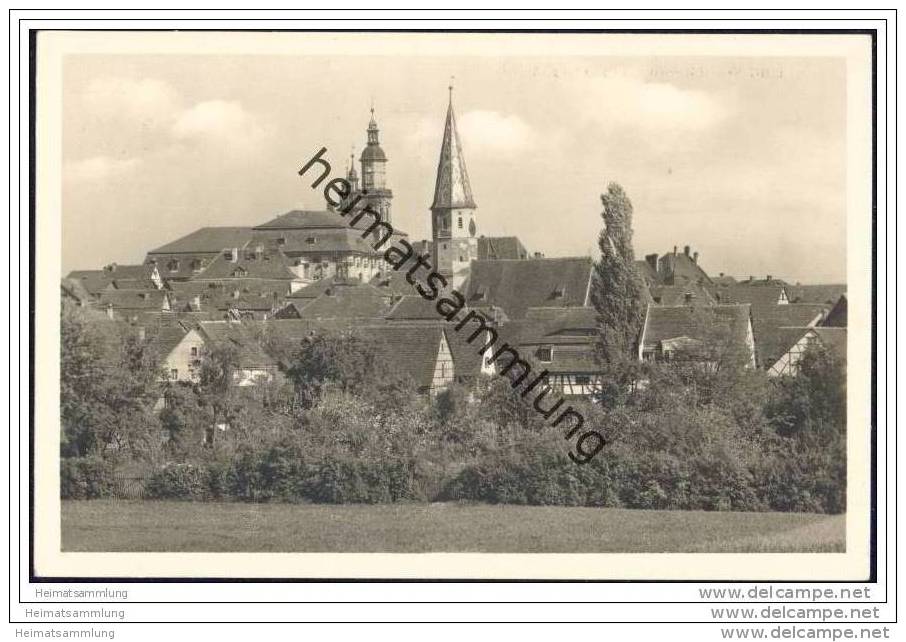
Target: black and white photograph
(551,301)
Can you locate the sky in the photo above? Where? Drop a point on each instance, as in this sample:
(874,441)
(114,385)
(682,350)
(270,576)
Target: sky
(744,159)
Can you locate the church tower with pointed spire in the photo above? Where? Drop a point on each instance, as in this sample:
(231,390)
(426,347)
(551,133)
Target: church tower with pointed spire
(374,174)
(453,226)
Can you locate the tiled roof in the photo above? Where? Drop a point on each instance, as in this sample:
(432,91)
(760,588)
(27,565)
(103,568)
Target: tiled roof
(834,339)
(269,265)
(394,283)
(414,308)
(413,349)
(571,334)
(683,269)
(76,289)
(516,286)
(318,219)
(337,285)
(781,340)
(351,304)
(767,321)
(133,299)
(501,247)
(648,273)
(756,295)
(663,323)
(723,280)
(163,338)
(125,277)
(828,294)
(776,342)
(838,314)
(245,301)
(319,240)
(677,294)
(207,240)
(245,339)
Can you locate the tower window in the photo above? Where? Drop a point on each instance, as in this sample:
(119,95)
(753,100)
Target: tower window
(459,222)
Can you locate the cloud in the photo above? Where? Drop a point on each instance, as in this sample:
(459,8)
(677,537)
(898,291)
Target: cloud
(147,99)
(98,168)
(625,100)
(480,131)
(492,131)
(219,121)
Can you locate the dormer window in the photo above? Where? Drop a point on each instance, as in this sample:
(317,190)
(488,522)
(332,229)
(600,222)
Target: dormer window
(559,292)
(196,265)
(281,240)
(311,240)
(173,265)
(545,354)
(239,272)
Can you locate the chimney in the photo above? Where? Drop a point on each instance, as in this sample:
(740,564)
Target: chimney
(751,278)
(770,278)
(109,310)
(721,275)
(695,257)
(539,255)
(674,250)
(234,255)
(110,268)
(651,260)
(686,250)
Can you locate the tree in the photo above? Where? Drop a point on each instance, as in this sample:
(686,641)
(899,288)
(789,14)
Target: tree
(348,361)
(108,387)
(617,289)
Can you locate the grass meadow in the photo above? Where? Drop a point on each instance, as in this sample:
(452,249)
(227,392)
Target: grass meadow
(147,526)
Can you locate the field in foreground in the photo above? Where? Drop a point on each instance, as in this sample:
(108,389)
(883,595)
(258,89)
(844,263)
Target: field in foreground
(104,525)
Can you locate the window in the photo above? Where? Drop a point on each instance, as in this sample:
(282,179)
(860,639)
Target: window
(281,241)
(174,374)
(459,222)
(196,265)
(173,265)
(311,240)
(545,354)
(559,292)
(194,351)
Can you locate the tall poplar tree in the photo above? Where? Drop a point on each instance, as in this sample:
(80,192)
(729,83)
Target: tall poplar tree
(617,289)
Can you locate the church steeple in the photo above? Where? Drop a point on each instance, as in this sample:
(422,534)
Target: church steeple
(453,223)
(373,130)
(452,189)
(374,173)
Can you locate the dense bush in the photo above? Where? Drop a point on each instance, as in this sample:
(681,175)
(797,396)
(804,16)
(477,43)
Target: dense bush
(86,478)
(690,438)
